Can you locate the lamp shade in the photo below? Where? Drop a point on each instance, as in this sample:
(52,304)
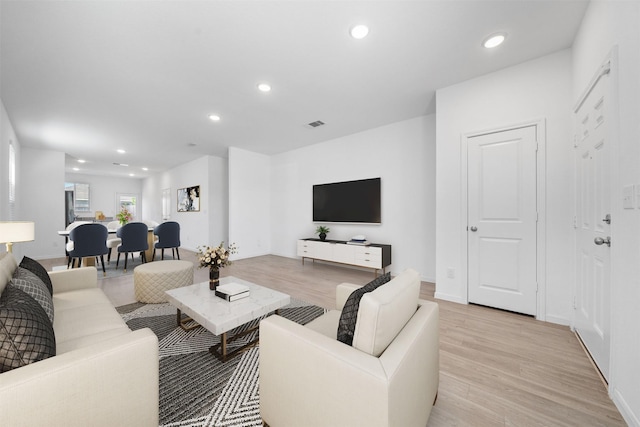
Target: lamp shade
(17,231)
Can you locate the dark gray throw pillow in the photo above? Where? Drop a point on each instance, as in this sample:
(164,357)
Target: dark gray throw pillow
(349,315)
(36,268)
(26,335)
(28,282)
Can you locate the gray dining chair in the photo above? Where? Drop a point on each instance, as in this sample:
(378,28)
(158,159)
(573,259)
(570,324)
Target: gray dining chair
(134,239)
(89,240)
(168,238)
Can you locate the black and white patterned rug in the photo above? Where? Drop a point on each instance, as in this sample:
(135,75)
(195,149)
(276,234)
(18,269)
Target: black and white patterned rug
(196,389)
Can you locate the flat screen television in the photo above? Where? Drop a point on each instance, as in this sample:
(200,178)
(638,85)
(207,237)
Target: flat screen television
(350,201)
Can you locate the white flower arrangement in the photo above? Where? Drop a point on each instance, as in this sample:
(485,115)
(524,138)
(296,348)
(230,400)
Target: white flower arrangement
(216,257)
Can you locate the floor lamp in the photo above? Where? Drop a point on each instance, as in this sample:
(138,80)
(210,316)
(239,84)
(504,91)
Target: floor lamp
(16,231)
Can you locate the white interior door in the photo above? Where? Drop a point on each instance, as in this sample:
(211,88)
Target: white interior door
(593,229)
(502,217)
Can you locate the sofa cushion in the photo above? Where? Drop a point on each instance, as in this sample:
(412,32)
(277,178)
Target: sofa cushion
(36,268)
(26,334)
(7,266)
(384,312)
(28,282)
(349,315)
(81,314)
(326,324)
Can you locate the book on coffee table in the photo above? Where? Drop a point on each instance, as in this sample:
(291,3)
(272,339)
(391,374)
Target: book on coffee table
(232,291)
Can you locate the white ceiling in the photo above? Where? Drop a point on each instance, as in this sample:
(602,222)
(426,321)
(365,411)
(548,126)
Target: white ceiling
(88,77)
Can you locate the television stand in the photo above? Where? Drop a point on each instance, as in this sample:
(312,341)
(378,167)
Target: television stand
(375,256)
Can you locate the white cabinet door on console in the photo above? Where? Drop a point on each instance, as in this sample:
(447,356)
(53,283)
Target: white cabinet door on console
(343,253)
(368,256)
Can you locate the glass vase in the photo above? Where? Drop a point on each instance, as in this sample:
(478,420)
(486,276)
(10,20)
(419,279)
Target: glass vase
(214,278)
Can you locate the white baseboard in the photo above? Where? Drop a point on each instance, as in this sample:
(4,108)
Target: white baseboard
(625,410)
(448,297)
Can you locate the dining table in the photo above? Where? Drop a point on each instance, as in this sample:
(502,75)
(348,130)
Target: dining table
(90,261)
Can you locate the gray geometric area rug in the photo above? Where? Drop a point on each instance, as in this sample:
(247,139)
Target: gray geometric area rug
(196,389)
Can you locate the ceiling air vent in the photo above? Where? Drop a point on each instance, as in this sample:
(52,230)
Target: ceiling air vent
(315,124)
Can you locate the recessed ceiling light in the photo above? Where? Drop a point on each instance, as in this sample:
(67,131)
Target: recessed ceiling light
(121,151)
(132,174)
(76,169)
(214,117)
(145,169)
(264,87)
(494,40)
(81,160)
(359,31)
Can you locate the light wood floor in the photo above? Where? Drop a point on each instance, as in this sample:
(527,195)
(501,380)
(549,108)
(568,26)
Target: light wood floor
(496,368)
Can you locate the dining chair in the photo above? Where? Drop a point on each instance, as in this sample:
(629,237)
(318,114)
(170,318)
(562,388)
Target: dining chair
(134,239)
(112,242)
(168,237)
(69,243)
(89,240)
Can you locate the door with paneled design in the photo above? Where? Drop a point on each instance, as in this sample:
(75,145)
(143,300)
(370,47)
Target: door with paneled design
(502,219)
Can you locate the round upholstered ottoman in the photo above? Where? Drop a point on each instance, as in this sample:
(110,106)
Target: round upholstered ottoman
(150,280)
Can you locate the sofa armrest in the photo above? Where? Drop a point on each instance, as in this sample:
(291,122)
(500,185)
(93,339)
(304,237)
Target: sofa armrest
(113,383)
(74,279)
(322,381)
(343,290)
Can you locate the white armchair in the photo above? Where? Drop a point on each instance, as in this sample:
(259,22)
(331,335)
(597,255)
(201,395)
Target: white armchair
(309,378)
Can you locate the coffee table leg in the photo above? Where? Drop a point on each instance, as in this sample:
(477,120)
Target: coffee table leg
(223,343)
(183,322)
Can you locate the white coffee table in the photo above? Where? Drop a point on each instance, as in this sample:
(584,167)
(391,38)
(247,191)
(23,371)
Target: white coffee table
(220,316)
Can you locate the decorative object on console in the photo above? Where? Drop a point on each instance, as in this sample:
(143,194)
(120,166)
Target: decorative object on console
(322,231)
(359,240)
(124,216)
(215,258)
(16,231)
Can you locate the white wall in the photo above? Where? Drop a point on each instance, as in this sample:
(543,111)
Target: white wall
(42,174)
(249,202)
(103,191)
(402,154)
(539,89)
(605,25)
(7,134)
(209,226)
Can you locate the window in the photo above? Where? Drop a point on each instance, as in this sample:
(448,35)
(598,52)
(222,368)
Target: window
(81,199)
(128,202)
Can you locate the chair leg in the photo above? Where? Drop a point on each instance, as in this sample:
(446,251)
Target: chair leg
(109,256)
(178,253)
(143,255)
(104,272)
(173,253)
(118,260)
(126,257)
(153,256)
(162,254)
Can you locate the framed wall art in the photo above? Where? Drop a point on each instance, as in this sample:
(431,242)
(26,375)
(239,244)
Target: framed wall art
(189,199)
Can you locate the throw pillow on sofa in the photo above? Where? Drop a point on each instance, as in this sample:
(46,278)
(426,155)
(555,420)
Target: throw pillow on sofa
(349,315)
(26,334)
(36,268)
(28,282)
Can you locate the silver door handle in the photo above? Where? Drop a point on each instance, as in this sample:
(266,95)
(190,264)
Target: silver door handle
(600,241)
(474,228)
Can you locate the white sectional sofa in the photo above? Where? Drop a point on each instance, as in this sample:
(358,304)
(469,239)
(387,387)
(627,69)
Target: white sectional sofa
(102,373)
(388,376)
